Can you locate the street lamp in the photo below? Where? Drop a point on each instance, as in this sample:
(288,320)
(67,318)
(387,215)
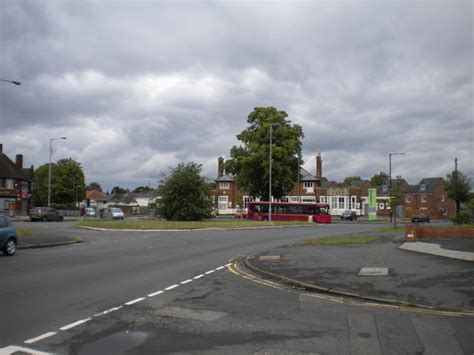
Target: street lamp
(49,174)
(11,81)
(270,174)
(390,168)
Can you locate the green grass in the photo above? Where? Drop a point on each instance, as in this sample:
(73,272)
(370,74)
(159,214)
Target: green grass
(23,232)
(342,240)
(149,225)
(388,229)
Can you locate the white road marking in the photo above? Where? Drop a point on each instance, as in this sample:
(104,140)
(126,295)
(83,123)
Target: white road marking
(18,349)
(198,276)
(209,272)
(75,324)
(171,287)
(107,311)
(220,267)
(135,301)
(155,293)
(229,264)
(41,337)
(185,282)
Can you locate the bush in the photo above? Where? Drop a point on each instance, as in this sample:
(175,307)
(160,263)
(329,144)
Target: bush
(462,218)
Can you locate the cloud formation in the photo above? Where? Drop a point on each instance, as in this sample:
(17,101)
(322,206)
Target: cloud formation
(139,87)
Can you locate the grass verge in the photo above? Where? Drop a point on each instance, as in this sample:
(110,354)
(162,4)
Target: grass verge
(23,232)
(342,240)
(388,229)
(150,225)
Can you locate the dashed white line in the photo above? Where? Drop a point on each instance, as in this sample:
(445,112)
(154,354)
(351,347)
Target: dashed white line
(129,303)
(209,272)
(229,264)
(171,287)
(220,267)
(107,311)
(41,337)
(155,293)
(75,324)
(186,282)
(198,276)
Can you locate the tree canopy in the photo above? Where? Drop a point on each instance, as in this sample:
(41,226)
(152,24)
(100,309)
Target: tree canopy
(67,183)
(457,188)
(94,186)
(250,160)
(118,190)
(379,179)
(348,180)
(186,196)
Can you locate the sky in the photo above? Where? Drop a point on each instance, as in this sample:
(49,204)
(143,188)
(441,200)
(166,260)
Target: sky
(140,86)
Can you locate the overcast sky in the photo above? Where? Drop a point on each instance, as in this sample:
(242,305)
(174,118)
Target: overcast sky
(139,86)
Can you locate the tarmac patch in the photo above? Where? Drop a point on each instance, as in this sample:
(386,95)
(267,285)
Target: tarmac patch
(269,258)
(373,271)
(194,314)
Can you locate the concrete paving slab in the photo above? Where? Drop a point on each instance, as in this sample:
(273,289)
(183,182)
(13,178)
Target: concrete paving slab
(435,249)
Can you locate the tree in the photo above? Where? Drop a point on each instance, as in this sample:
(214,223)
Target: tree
(396,195)
(186,195)
(118,190)
(141,189)
(457,188)
(66,175)
(250,161)
(379,179)
(94,186)
(350,179)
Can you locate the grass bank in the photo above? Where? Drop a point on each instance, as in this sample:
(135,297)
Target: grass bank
(342,240)
(150,225)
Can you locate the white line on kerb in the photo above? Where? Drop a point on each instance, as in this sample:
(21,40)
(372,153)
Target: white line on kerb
(41,337)
(171,287)
(75,324)
(155,293)
(135,301)
(107,311)
(220,267)
(186,281)
(209,272)
(229,264)
(198,276)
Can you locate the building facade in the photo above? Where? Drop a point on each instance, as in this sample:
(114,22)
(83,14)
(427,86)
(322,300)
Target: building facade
(16,185)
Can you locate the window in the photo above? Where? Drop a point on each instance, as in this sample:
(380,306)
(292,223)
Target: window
(9,184)
(442,198)
(334,203)
(247,199)
(308,185)
(295,199)
(422,187)
(309,199)
(3,222)
(424,198)
(323,199)
(224,185)
(284,199)
(342,203)
(381,206)
(408,199)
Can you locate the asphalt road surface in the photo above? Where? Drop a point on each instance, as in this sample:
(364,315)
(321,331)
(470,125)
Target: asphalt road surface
(172,292)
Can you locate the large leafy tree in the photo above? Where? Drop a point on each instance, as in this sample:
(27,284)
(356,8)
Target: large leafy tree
(379,179)
(94,186)
(250,160)
(348,180)
(67,183)
(185,194)
(457,188)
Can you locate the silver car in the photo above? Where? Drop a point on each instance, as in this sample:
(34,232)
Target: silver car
(8,239)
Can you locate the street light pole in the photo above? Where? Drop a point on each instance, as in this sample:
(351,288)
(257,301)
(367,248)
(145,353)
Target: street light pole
(390,179)
(11,81)
(49,168)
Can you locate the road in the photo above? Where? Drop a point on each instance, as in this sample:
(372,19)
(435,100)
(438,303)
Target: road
(44,290)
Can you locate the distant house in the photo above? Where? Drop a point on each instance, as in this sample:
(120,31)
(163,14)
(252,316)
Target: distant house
(96,199)
(16,185)
(429,197)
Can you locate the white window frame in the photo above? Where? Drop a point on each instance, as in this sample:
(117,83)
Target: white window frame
(9,183)
(224,185)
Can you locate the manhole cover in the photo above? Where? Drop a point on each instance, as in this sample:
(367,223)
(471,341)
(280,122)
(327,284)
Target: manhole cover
(373,271)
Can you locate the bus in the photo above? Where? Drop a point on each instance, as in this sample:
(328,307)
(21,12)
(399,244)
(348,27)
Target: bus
(288,211)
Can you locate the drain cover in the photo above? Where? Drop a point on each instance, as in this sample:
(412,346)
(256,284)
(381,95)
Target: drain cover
(373,271)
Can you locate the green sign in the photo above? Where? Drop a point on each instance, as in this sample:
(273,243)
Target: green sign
(372,204)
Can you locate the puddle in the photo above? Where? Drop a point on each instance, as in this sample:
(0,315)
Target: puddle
(118,343)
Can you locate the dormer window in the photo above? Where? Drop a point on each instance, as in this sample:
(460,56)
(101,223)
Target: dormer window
(422,187)
(224,185)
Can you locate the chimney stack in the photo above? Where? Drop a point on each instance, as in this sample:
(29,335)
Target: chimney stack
(19,161)
(220,167)
(319,166)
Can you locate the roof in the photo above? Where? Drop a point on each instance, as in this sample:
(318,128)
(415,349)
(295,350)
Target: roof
(306,176)
(9,170)
(226,177)
(426,185)
(96,195)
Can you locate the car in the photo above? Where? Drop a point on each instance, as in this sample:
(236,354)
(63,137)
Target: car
(417,218)
(45,214)
(8,238)
(115,213)
(349,215)
(90,212)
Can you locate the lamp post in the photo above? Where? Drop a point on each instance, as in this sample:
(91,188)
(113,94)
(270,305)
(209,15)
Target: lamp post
(11,81)
(270,173)
(49,169)
(390,178)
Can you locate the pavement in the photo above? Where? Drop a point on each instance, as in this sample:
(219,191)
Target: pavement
(432,274)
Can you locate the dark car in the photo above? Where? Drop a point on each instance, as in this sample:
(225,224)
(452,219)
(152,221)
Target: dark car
(45,214)
(417,218)
(8,239)
(349,215)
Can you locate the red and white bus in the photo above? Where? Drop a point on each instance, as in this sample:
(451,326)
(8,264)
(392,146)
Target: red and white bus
(287,211)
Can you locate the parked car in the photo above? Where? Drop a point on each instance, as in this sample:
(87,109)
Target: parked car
(90,212)
(115,213)
(417,218)
(8,239)
(349,215)
(45,214)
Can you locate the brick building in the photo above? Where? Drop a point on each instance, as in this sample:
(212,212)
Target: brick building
(16,185)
